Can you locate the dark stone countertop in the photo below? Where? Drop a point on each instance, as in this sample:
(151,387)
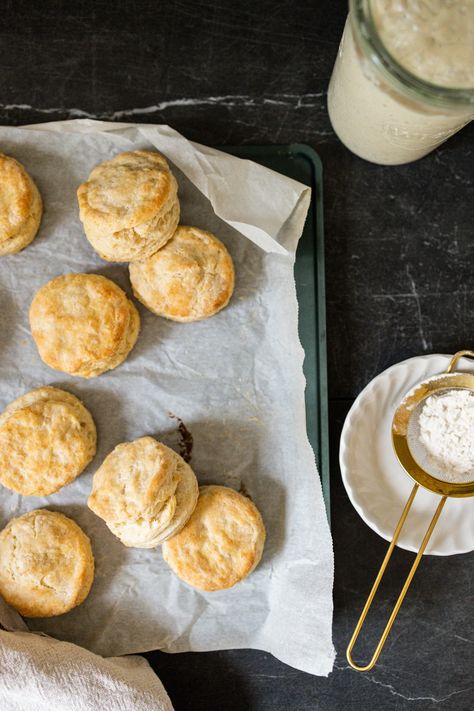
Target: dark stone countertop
(399,254)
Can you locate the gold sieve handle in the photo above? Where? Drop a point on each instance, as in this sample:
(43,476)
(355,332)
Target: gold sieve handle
(456,357)
(386,560)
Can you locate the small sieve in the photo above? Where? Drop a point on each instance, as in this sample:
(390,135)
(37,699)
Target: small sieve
(415,461)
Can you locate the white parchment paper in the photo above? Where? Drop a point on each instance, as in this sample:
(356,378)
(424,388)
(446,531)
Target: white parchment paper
(236,381)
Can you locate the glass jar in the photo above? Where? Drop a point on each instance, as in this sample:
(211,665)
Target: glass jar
(380,110)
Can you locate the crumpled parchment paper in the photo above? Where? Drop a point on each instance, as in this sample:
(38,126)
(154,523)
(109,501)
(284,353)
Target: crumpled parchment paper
(235,380)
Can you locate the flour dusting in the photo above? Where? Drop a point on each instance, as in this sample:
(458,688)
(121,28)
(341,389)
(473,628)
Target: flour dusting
(446,430)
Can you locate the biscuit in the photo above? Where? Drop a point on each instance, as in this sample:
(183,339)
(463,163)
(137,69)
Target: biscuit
(47,438)
(221,543)
(129,205)
(46,564)
(83,324)
(144,492)
(20,207)
(136,242)
(190,278)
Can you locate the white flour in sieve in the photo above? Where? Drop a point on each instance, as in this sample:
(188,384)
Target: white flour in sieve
(446,431)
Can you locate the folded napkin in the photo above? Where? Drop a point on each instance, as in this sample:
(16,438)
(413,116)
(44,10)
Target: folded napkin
(39,673)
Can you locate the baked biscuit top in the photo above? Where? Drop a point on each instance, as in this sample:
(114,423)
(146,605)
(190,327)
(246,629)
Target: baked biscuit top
(190,278)
(126,191)
(221,543)
(47,565)
(17,197)
(80,321)
(47,438)
(137,480)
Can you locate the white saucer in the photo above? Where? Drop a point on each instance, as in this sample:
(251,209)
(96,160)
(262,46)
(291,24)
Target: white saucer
(375,481)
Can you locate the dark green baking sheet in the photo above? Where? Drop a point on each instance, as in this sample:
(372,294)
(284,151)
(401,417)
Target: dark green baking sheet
(302,163)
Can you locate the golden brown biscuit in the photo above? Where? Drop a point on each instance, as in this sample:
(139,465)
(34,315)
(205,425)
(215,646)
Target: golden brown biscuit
(47,438)
(20,206)
(129,205)
(190,278)
(148,532)
(135,242)
(83,324)
(144,492)
(221,543)
(46,564)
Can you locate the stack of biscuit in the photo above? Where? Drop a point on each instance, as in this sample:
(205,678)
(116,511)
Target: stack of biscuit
(148,496)
(144,492)
(129,206)
(130,211)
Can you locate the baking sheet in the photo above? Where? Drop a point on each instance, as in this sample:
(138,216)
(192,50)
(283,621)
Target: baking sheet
(301,162)
(235,380)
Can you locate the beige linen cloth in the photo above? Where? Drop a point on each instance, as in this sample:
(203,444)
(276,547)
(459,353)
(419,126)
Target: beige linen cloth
(39,673)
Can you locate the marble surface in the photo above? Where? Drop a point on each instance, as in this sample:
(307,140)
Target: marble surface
(399,251)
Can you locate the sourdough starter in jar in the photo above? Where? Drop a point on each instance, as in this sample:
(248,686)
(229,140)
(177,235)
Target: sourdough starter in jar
(397,106)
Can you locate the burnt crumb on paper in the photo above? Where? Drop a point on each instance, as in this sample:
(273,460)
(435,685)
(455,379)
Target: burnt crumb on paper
(185,445)
(243,491)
